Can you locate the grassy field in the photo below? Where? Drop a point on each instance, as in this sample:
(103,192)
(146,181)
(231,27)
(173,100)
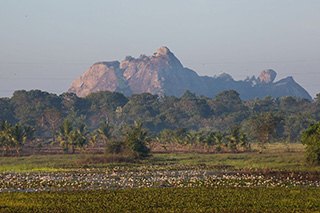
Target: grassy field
(278,180)
(166,200)
(275,156)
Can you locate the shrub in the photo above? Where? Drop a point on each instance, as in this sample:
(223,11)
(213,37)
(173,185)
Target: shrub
(311,139)
(136,139)
(115,147)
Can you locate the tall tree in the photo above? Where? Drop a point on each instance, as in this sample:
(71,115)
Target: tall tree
(30,105)
(265,126)
(226,102)
(52,120)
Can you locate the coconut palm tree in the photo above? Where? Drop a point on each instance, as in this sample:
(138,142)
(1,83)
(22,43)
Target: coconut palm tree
(18,137)
(233,138)
(209,140)
(29,132)
(137,138)
(81,133)
(64,135)
(219,140)
(92,139)
(244,142)
(105,131)
(5,136)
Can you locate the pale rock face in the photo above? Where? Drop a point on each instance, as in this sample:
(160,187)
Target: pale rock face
(267,76)
(157,74)
(162,73)
(124,64)
(99,77)
(162,51)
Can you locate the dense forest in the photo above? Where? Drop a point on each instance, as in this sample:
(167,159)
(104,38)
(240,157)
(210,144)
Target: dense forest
(167,118)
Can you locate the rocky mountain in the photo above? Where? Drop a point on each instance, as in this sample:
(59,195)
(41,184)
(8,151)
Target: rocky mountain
(162,73)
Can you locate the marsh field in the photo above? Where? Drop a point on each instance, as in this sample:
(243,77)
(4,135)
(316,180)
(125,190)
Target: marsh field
(276,180)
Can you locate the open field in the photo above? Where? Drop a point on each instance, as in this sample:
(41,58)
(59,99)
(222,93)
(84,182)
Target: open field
(275,156)
(257,199)
(276,180)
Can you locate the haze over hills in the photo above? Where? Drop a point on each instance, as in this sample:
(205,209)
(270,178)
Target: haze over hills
(162,73)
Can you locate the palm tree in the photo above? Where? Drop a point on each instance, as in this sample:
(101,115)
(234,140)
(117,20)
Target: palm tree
(210,140)
(234,138)
(179,136)
(105,131)
(81,133)
(137,138)
(18,137)
(201,139)
(73,140)
(244,142)
(190,140)
(5,136)
(64,135)
(219,140)
(92,139)
(29,132)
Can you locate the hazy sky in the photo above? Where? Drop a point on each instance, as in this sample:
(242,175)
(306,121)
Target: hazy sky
(47,44)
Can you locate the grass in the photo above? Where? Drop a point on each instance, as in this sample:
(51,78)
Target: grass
(288,161)
(275,156)
(35,163)
(222,199)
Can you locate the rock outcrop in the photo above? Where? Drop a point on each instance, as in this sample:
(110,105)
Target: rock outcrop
(100,76)
(267,76)
(163,73)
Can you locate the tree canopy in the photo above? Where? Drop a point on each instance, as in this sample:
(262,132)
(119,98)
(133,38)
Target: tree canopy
(44,111)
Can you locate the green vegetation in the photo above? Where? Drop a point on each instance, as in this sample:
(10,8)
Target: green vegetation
(72,138)
(14,137)
(136,139)
(38,108)
(39,163)
(265,126)
(275,157)
(277,180)
(311,138)
(258,199)
(192,154)
(100,122)
(44,111)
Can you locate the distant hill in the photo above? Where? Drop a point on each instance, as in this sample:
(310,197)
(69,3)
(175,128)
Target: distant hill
(162,73)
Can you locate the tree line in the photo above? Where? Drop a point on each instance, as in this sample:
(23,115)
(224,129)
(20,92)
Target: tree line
(186,121)
(133,140)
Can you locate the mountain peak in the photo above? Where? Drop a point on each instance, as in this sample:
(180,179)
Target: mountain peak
(163,51)
(163,73)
